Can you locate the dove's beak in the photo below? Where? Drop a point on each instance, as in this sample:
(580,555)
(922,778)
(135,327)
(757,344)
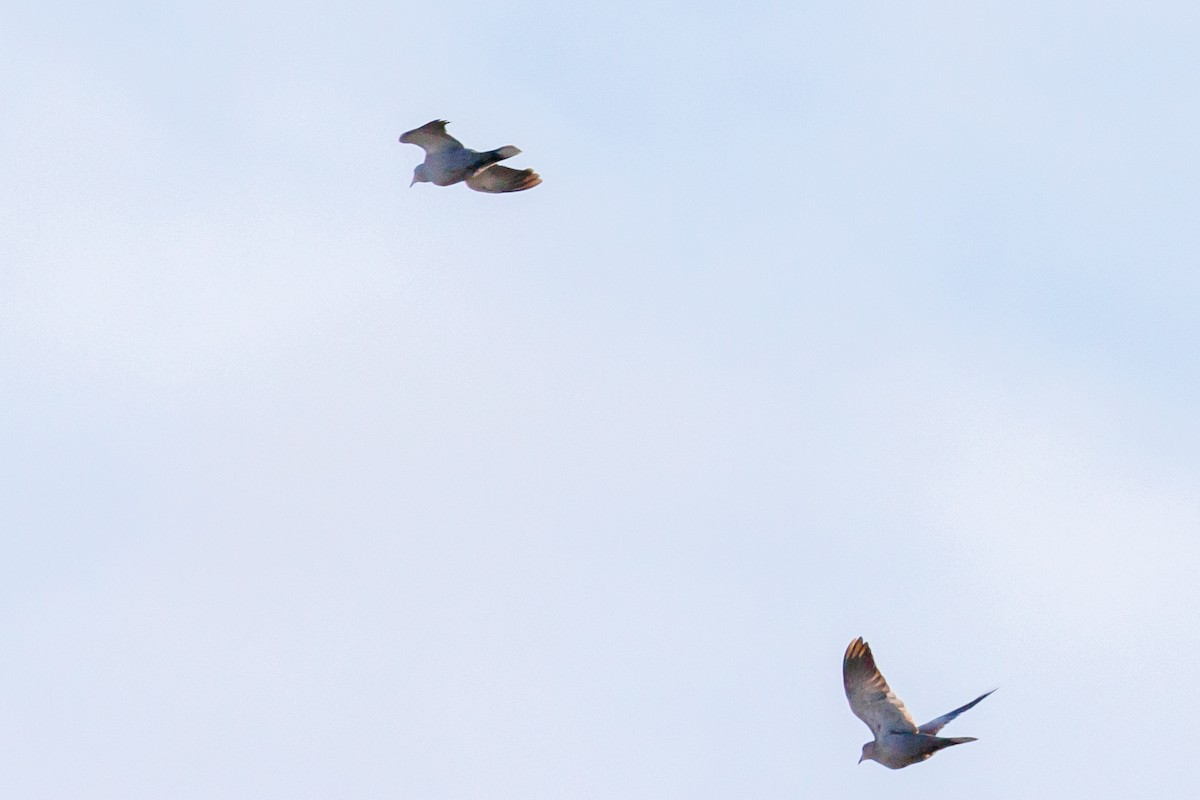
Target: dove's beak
(413,183)
(860,759)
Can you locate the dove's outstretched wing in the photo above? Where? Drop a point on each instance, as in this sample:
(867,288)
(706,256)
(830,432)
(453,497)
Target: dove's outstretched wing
(431,137)
(871,699)
(496,179)
(935,725)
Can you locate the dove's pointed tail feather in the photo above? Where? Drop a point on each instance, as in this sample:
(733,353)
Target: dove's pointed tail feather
(487,158)
(942,744)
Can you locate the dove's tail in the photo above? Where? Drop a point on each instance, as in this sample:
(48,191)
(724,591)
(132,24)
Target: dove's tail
(481,161)
(508,151)
(950,742)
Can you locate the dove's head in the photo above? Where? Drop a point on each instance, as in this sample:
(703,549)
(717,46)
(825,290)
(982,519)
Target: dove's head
(419,176)
(868,753)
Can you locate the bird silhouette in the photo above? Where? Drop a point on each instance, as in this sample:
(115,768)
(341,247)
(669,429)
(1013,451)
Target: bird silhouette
(899,741)
(447,162)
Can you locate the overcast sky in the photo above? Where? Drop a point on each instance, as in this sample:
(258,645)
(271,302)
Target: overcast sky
(829,319)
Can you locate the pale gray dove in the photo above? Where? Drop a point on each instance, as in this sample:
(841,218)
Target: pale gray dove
(448,162)
(898,740)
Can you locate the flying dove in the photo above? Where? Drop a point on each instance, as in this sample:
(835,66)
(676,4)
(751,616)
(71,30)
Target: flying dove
(898,740)
(448,162)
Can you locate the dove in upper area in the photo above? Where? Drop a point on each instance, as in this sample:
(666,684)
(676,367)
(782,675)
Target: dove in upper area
(448,162)
(899,741)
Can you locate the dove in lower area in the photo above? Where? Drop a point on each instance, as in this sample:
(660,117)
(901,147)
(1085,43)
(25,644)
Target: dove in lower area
(448,162)
(898,740)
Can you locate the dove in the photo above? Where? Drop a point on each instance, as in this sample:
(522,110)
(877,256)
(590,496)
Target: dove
(899,741)
(447,162)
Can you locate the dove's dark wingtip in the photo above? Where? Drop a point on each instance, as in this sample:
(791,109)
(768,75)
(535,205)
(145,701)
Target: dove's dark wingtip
(856,648)
(406,137)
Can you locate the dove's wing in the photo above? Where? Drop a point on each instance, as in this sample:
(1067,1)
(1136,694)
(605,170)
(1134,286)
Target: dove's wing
(935,725)
(431,137)
(496,179)
(871,699)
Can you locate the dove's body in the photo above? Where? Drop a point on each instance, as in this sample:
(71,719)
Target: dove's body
(447,162)
(897,750)
(452,166)
(898,740)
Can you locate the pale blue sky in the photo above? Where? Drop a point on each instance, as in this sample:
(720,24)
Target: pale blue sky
(829,320)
